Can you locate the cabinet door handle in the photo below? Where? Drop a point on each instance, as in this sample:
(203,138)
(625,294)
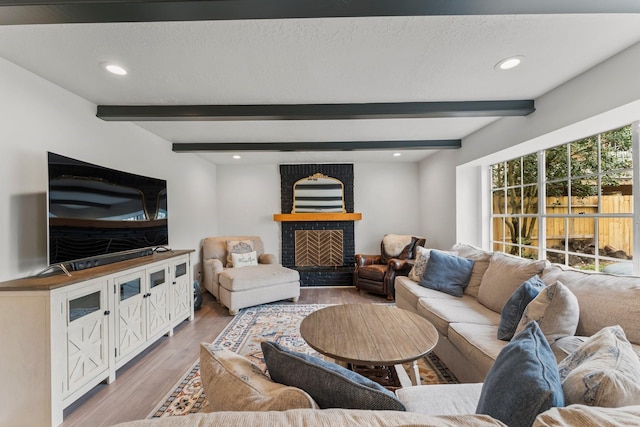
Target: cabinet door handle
(107,312)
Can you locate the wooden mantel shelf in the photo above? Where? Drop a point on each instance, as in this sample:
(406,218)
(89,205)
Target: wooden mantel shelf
(317,216)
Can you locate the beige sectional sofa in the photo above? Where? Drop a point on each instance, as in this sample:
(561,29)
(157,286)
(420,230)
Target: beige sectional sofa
(468,345)
(468,326)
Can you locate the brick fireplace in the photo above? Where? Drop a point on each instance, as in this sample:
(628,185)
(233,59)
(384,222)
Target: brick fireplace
(322,251)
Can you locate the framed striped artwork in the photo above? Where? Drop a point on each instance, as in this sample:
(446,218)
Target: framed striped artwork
(318,193)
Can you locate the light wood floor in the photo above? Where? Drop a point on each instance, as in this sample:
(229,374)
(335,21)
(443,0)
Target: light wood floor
(143,382)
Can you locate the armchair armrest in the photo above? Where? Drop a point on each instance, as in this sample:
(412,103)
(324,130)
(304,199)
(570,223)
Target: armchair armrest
(400,264)
(210,269)
(267,259)
(362,260)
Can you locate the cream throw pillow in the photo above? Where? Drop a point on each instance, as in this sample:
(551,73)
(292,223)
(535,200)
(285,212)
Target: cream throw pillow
(555,309)
(603,371)
(420,265)
(503,276)
(243,260)
(232,383)
(237,247)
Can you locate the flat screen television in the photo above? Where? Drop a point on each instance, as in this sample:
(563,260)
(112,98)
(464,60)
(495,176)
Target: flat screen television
(99,215)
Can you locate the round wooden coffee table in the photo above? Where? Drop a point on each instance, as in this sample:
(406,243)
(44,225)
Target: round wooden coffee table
(370,335)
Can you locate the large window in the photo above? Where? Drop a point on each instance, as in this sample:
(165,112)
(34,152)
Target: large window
(571,204)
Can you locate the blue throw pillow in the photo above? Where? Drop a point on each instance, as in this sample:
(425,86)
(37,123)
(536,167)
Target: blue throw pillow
(329,384)
(515,305)
(447,273)
(523,381)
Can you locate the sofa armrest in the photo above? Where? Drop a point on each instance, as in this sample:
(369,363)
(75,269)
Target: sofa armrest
(363,259)
(267,259)
(210,269)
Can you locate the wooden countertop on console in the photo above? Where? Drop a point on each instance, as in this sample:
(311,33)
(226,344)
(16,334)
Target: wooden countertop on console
(59,279)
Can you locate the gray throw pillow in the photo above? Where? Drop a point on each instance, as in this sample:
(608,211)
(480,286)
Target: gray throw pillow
(329,385)
(447,273)
(555,309)
(523,382)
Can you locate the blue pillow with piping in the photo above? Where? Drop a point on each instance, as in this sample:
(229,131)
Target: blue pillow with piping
(447,273)
(523,381)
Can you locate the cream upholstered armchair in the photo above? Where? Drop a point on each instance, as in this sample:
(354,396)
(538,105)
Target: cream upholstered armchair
(376,273)
(238,273)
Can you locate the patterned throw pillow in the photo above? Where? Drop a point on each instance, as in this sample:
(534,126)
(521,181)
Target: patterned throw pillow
(555,309)
(237,247)
(422,258)
(243,260)
(603,371)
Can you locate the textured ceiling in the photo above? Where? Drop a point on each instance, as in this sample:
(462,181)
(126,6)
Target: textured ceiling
(329,60)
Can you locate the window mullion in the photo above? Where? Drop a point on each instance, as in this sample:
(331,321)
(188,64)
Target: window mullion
(542,207)
(635,153)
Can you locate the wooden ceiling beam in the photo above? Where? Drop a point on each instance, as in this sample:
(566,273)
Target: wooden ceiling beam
(193,147)
(102,11)
(383,110)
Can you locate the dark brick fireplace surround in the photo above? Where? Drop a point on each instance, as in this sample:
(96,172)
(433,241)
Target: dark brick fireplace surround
(317,275)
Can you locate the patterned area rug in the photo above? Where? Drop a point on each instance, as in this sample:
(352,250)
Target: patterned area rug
(269,322)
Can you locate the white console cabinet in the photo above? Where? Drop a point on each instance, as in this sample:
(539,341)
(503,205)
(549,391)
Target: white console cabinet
(64,335)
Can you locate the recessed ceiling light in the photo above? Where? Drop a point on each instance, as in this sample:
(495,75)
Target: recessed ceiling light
(236,157)
(509,63)
(115,69)
(397,154)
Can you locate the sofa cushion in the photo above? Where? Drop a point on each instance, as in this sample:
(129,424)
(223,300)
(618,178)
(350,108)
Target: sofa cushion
(556,311)
(256,276)
(442,312)
(329,384)
(605,299)
(447,273)
(504,275)
(481,258)
(477,343)
(603,371)
(315,418)
(441,399)
(523,382)
(515,306)
(420,264)
(373,272)
(588,416)
(233,383)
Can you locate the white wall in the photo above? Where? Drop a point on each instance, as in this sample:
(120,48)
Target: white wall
(385,194)
(36,117)
(605,97)
(437,199)
(249,196)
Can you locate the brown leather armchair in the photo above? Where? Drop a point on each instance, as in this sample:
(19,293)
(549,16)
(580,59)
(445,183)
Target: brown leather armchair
(377,273)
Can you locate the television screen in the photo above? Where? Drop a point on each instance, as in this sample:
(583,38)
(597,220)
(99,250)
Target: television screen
(96,211)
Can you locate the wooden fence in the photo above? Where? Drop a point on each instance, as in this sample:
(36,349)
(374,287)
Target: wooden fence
(616,232)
